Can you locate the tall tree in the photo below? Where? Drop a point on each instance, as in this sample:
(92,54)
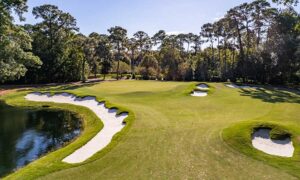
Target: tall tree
(141,39)
(104,54)
(89,47)
(52,36)
(189,41)
(197,41)
(118,37)
(132,47)
(159,37)
(262,15)
(15,43)
(237,18)
(207,31)
(182,39)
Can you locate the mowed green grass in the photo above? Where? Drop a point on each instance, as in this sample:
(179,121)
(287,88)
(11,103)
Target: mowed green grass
(174,135)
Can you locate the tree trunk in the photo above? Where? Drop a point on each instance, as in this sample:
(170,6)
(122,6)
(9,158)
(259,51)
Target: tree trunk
(196,50)
(118,67)
(219,51)
(213,51)
(248,39)
(132,64)
(83,72)
(258,38)
(225,59)
(240,44)
(258,31)
(233,61)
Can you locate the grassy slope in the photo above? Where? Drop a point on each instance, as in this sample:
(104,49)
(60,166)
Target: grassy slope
(176,136)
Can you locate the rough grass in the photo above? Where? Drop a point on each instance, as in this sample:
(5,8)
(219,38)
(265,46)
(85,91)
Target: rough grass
(174,135)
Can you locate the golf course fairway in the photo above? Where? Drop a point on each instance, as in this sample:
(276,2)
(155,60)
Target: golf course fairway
(170,134)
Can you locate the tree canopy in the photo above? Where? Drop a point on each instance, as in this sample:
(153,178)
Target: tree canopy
(15,43)
(253,42)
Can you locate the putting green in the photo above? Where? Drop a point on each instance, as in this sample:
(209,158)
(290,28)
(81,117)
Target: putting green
(172,135)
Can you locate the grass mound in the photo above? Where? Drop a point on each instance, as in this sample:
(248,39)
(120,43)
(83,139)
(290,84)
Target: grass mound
(208,88)
(280,134)
(239,137)
(276,133)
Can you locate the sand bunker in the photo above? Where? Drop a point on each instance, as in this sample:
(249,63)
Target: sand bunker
(240,87)
(202,87)
(201,91)
(199,94)
(113,123)
(262,141)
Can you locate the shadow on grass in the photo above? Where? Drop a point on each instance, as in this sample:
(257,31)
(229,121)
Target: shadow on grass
(46,87)
(273,95)
(69,86)
(138,94)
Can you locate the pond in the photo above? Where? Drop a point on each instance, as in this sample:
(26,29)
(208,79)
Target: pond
(27,134)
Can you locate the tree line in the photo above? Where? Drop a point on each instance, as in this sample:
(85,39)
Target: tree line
(252,43)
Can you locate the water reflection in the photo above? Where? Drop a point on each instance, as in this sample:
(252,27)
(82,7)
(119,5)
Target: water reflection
(25,135)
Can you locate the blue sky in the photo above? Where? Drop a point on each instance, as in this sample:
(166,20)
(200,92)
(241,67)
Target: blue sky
(134,15)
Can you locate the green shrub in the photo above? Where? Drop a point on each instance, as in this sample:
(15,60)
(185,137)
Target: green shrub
(128,76)
(138,77)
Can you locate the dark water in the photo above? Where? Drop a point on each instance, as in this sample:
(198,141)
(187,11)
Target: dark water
(27,134)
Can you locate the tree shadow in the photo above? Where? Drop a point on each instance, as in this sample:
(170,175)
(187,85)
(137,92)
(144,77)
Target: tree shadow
(47,87)
(65,87)
(138,94)
(273,94)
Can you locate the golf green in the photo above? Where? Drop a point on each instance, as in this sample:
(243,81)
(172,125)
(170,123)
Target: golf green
(170,134)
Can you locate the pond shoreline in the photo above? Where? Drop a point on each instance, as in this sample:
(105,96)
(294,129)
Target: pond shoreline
(28,134)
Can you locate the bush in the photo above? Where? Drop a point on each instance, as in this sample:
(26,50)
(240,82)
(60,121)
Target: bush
(114,76)
(138,77)
(123,67)
(128,76)
(148,73)
(160,77)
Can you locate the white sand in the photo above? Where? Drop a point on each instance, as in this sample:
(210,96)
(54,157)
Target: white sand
(240,87)
(113,123)
(202,87)
(261,140)
(199,94)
